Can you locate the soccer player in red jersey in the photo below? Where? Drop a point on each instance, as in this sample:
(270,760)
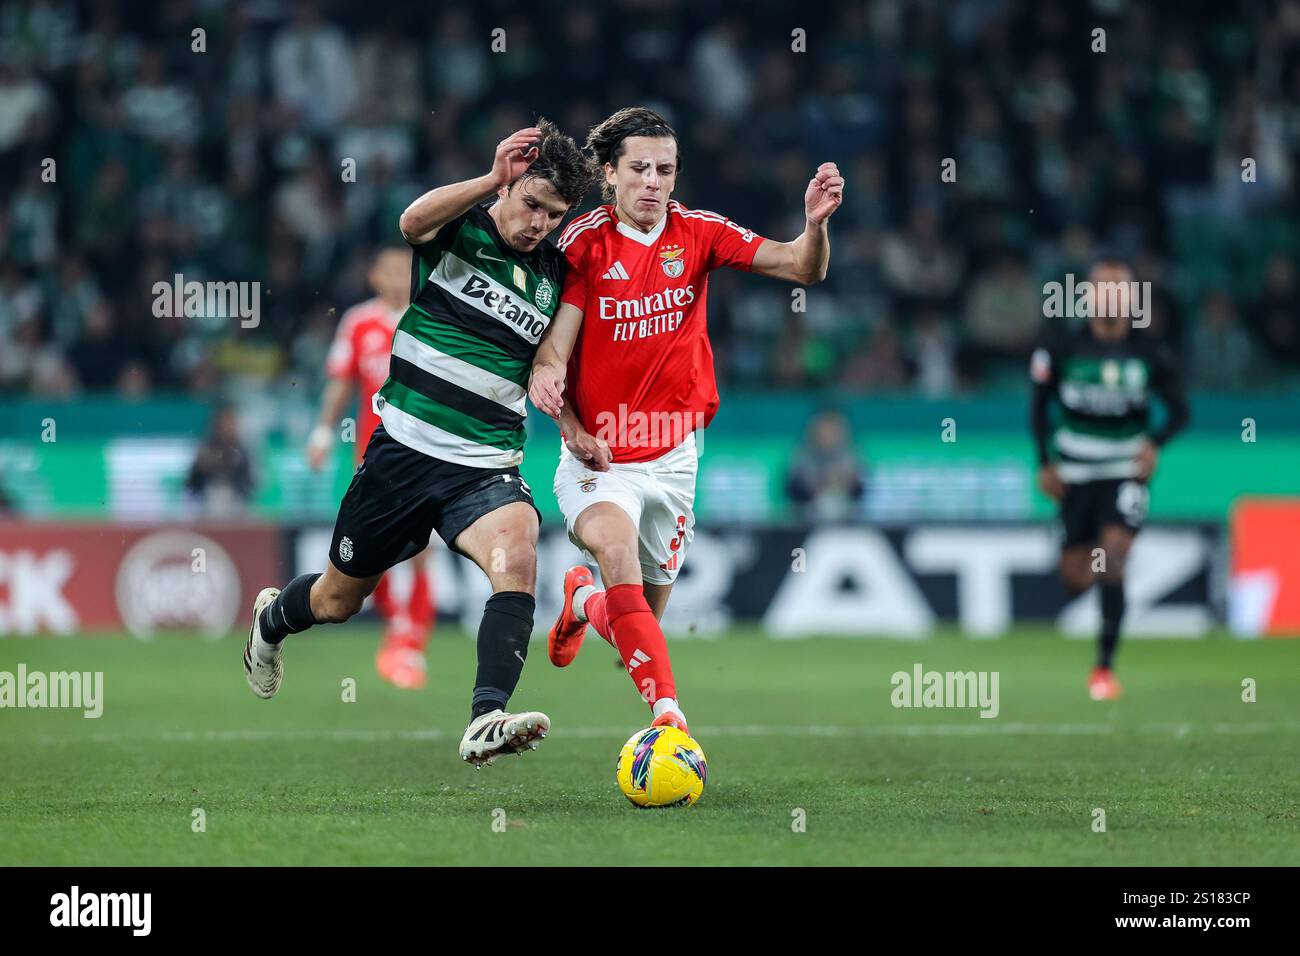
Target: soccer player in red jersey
(627,370)
(358,359)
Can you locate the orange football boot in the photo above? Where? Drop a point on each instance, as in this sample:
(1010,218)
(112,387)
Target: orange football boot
(400,659)
(1102,684)
(565,637)
(671,719)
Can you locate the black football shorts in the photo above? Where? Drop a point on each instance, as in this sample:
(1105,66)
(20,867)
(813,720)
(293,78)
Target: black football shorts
(399,497)
(1090,505)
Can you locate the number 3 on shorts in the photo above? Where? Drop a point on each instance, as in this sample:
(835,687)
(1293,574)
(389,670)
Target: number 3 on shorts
(675,544)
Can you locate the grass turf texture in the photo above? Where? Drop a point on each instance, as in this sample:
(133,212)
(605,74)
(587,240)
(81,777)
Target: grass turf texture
(1186,772)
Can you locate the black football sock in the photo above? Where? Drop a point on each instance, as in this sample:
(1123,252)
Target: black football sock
(1112,610)
(290,612)
(502,648)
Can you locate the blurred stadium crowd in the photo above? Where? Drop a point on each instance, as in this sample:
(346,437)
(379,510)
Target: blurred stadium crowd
(228,164)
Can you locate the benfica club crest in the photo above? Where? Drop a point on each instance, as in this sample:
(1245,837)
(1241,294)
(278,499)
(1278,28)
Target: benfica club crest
(672,261)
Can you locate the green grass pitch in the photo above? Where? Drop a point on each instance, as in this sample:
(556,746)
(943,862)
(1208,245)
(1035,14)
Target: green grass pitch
(1186,772)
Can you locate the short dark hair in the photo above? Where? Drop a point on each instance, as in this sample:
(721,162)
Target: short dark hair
(605,141)
(562,164)
(1112,257)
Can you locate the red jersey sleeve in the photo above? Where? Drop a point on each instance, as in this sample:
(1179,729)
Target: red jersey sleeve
(575,277)
(732,244)
(341,362)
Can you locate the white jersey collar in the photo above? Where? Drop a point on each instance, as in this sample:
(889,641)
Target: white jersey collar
(645,238)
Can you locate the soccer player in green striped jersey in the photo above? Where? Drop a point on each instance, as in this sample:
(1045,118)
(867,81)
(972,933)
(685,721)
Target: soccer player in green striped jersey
(1098,460)
(445,458)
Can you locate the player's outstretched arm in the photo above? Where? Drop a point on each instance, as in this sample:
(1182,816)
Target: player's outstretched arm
(424,217)
(806,258)
(546,385)
(335,398)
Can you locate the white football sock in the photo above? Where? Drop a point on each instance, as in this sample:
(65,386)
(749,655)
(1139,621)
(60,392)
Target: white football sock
(665,704)
(579,606)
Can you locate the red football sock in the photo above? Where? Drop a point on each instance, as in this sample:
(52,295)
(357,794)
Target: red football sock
(420,607)
(640,642)
(384,599)
(598,616)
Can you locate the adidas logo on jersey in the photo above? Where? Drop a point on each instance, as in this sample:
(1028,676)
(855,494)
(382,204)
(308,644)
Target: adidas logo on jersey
(616,271)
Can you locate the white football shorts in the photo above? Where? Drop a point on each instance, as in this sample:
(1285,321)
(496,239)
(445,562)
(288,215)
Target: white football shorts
(657,495)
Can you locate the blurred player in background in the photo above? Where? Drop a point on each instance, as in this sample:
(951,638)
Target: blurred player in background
(359,360)
(1102,376)
(630,345)
(446,453)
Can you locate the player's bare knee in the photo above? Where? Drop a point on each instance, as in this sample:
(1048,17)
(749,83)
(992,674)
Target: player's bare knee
(1116,562)
(1076,575)
(514,567)
(1076,584)
(617,559)
(1115,549)
(523,559)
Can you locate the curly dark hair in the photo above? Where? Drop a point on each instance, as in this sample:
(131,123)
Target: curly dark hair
(562,164)
(605,141)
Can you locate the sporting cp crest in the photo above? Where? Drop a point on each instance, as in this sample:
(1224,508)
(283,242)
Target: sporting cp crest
(672,261)
(544,294)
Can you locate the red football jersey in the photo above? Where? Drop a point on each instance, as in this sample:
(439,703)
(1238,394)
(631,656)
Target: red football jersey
(641,372)
(362,345)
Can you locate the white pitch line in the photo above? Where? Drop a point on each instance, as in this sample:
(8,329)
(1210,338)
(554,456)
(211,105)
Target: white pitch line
(976,728)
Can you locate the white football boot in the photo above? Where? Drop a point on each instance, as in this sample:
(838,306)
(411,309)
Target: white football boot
(262,664)
(490,735)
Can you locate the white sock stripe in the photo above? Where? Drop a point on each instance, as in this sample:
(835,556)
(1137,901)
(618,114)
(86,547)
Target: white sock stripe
(665,704)
(580,598)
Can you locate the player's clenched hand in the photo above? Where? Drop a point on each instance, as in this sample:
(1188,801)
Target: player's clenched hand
(824,194)
(1049,482)
(547,390)
(1146,461)
(514,155)
(318,447)
(591,451)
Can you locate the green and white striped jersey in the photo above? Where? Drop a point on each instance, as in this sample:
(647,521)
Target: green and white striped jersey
(1103,390)
(463,350)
